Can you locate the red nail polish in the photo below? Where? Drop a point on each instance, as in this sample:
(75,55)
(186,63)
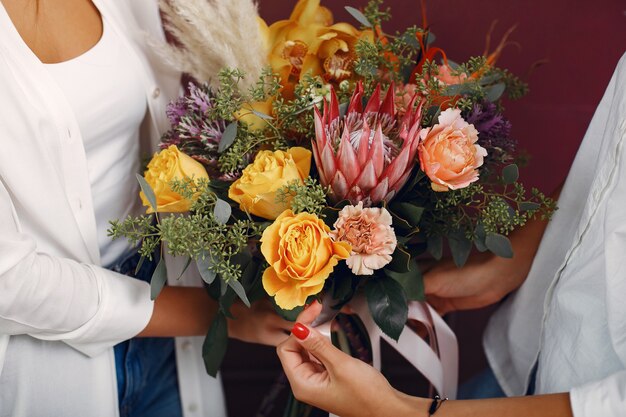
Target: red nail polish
(300,331)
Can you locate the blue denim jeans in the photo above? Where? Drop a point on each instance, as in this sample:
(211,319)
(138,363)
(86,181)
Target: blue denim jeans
(147,382)
(485,385)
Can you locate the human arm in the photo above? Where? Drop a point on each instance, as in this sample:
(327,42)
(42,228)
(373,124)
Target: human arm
(486,278)
(349,387)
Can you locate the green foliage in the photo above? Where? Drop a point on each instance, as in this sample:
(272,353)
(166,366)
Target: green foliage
(308,197)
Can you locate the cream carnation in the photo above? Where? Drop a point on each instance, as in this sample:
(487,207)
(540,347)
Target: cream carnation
(369,232)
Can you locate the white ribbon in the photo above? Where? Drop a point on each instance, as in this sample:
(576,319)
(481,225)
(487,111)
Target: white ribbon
(437,361)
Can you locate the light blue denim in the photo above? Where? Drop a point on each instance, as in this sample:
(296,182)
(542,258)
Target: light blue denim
(147,382)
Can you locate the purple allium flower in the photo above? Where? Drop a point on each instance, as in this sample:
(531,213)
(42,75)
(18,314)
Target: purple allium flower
(494,131)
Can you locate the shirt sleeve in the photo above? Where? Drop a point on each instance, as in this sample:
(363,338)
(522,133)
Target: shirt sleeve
(605,398)
(52,298)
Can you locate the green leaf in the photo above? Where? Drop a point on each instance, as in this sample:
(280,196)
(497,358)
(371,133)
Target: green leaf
(204,265)
(411,213)
(240,291)
(499,245)
(343,109)
(360,17)
(222,211)
(510,174)
(529,206)
(430,38)
(159,277)
(412,282)
(139,264)
(289,315)
(400,261)
(228,137)
(342,285)
(388,305)
(262,115)
(185,268)
(460,247)
(435,246)
(148,192)
(495,92)
(215,344)
(479,237)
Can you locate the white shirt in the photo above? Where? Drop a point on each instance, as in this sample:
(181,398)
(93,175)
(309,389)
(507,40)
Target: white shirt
(104,90)
(60,311)
(570,314)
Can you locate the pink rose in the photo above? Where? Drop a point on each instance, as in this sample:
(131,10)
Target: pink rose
(369,232)
(448,152)
(445,76)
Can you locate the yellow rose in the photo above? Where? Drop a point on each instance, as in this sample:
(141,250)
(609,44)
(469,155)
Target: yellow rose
(256,190)
(301,255)
(168,165)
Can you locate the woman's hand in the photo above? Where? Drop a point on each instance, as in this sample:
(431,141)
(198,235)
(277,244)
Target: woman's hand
(486,278)
(258,324)
(325,377)
(483,281)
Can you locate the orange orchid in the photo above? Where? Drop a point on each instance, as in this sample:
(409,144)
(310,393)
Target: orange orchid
(309,42)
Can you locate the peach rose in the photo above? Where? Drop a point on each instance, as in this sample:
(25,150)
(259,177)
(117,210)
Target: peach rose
(301,255)
(445,76)
(369,232)
(448,152)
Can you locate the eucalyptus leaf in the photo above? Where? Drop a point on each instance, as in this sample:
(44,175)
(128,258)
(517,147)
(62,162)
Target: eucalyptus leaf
(431,38)
(510,174)
(159,277)
(489,79)
(479,237)
(343,109)
(262,115)
(387,303)
(147,191)
(499,245)
(460,246)
(228,137)
(495,91)
(189,260)
(215,344)
(240,291)
(412,282)
(435,246)
(360,17)
(205,265)
(529,206)
(222,211)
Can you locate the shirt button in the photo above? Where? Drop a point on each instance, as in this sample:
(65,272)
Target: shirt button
(193,407)
(156,92)
(186,345)
(69,136)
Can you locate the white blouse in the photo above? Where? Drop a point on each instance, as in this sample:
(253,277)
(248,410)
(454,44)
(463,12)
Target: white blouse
(104,90)
(60,311)
(570,314)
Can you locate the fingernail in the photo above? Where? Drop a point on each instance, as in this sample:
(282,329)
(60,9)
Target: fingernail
(300,331)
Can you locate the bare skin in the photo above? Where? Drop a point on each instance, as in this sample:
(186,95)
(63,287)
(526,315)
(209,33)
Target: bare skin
(336,382)
(57,31)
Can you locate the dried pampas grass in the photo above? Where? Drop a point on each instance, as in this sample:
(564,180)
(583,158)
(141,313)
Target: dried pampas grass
(212,35)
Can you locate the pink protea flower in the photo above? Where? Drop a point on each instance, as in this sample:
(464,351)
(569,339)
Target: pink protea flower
(366,155)
(369,232)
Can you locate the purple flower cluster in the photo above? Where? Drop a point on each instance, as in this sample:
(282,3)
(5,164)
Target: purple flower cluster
(192,131)
(494,131)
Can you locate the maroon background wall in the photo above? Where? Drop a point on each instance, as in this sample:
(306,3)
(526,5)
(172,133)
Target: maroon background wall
(581,41)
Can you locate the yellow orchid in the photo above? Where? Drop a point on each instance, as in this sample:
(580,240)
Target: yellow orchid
(309,42)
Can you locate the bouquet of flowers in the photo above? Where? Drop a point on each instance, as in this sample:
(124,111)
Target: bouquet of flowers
(311,159)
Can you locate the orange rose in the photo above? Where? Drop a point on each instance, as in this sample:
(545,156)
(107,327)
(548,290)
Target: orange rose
(448,152)
(301,255)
